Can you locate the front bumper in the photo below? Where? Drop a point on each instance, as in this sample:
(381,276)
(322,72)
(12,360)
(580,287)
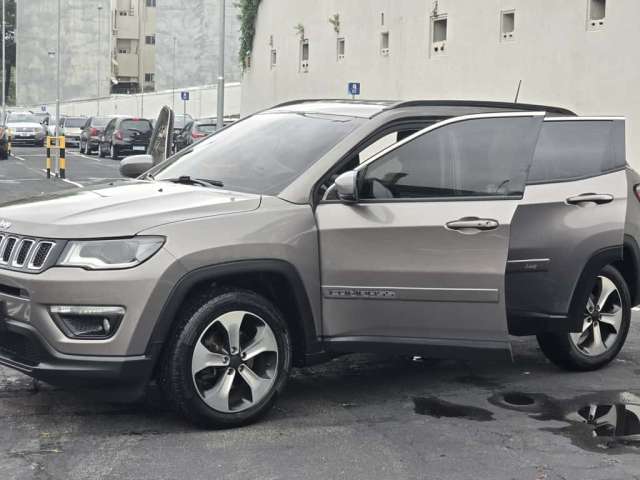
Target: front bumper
(32,342)
(24,349)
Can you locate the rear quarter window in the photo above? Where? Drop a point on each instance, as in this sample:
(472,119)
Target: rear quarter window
(575,149)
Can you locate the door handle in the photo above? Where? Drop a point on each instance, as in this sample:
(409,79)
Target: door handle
(473,223)
(598,198)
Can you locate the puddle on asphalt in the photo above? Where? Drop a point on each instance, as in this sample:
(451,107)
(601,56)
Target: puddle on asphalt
(603,422)
(434,407)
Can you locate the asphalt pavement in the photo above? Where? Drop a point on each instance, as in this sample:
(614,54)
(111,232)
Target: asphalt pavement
(356,417)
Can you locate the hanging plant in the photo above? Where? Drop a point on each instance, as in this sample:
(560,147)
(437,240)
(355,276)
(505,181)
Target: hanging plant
(335,21)
(299,28)
(248,15)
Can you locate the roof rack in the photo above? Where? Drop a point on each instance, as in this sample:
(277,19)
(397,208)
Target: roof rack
(393,104)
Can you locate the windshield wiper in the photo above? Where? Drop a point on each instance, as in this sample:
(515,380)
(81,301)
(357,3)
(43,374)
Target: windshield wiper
(187,180)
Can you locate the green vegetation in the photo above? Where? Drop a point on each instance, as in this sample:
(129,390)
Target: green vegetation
(248,15)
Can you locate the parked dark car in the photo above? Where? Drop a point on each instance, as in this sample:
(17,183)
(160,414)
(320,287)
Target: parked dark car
(194,131)
(91,133)
(4,141)
(125,135)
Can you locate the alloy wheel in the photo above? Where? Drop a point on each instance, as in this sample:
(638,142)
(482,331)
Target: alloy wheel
(235,361)
(602,320)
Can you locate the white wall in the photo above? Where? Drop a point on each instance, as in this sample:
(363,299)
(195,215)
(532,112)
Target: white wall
(202,103)
(558,60)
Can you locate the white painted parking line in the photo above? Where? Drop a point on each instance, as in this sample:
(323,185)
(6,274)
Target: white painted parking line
(66,180)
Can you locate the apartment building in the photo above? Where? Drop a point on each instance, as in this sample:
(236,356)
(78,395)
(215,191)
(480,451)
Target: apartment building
(579,54)
(133,56)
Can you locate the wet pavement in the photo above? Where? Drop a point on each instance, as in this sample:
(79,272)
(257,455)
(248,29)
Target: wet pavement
(357,417)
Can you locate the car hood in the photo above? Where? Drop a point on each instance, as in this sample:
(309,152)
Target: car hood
(118,209)
(35,126)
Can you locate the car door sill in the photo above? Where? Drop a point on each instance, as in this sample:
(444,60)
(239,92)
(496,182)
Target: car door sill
(431,347)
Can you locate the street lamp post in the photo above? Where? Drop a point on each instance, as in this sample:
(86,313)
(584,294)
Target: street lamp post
(99,55)
(4,62)
(58,89)
(220,119)
(173,76)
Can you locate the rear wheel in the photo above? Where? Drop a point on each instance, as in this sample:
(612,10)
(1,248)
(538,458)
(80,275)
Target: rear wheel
(228,360)
(606,321)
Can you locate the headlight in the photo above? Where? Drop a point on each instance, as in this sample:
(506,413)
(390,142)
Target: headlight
(109,254)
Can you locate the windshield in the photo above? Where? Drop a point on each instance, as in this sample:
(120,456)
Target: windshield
(74,122)
(99,121)
(23,118)
(180,121)
(261,154)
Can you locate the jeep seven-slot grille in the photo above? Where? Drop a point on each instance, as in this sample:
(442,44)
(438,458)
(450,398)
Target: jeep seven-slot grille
(27,254)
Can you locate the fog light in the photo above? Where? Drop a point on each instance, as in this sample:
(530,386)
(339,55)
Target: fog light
(87,322)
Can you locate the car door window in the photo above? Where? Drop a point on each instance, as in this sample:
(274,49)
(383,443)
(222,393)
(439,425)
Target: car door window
(472,158)
(574,149)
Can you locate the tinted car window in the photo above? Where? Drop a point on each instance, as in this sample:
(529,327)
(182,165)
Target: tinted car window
(473,158)
(142,126)
(261,154)
(577,149)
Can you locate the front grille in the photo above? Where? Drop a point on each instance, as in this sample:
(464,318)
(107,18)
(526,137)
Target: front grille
(25,253)
(8,246)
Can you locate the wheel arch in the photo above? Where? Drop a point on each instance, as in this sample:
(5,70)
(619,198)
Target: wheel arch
(277,280)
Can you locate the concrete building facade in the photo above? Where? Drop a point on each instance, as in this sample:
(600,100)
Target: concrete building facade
(580,54)
(133,54)
(84,54)
(187,43)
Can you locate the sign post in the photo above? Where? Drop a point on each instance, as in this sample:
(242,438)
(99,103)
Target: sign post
(185,98)
(354,89)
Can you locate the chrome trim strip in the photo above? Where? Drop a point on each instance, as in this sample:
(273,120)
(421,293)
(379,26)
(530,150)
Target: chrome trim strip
(531,265)
(585,119)
(443,123)
(466,295)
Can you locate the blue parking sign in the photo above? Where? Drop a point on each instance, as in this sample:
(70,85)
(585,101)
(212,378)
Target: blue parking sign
(184,96)
(354,88)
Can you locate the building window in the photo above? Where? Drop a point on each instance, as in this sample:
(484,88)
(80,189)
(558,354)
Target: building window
(149,77)
(123,13)
(438,34)
(384,44)
(507,25)
(382,19)
(274,57)
(304,55)
(341,48)
(597,14)
(151,3)
(150,39)
(123,51)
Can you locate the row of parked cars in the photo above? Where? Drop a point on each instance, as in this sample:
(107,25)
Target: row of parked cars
(113,136)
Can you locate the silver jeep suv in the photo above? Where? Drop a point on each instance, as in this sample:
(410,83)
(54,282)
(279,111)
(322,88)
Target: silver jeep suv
(318,228)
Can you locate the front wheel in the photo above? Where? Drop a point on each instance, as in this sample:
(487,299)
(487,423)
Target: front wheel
(113,152)
(229,358)
(606,321)
(101,151)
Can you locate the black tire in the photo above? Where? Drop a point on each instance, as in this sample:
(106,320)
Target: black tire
(113,152)
(560,350)
(101,151)
(176,378)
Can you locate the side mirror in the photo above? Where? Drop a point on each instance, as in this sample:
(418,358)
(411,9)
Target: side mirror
(347,187)
(135,165)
